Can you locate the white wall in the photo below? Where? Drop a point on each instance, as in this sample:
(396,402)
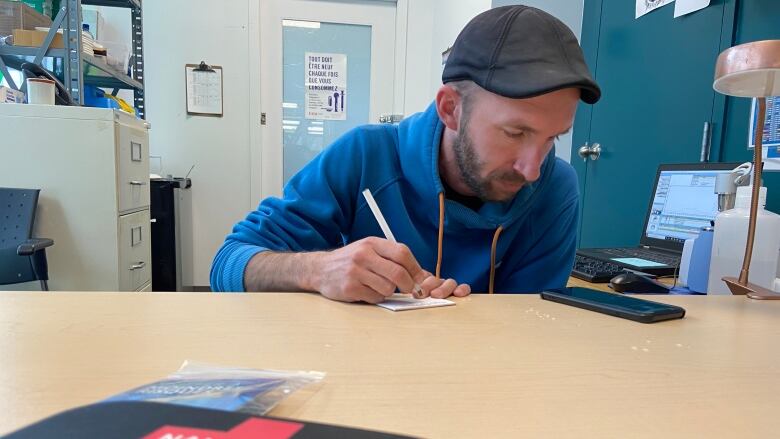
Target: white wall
(432,27)
(178,32)
(569,12)
(450,18)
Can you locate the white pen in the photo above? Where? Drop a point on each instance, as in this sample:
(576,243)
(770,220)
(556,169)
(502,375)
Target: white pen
(385,228)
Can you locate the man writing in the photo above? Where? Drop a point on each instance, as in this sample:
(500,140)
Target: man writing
(471,186)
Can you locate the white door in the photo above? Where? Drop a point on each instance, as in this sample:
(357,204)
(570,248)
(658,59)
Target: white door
(325,67)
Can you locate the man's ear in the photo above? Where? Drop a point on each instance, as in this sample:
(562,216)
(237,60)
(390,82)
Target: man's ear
(449,106)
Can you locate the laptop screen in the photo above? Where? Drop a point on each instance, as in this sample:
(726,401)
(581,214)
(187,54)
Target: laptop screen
(683,202)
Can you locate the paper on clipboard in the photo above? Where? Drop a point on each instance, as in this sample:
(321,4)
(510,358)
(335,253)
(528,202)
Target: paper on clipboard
(204,90)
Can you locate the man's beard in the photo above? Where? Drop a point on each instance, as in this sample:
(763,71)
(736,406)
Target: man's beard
(470,165)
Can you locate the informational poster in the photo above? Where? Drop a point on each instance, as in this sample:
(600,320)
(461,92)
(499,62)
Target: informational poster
(645,6)
(326,86)
(771,141)
(682,7)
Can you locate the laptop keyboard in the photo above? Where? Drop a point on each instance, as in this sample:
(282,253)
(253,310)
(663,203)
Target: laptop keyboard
(643,253)
(594,270)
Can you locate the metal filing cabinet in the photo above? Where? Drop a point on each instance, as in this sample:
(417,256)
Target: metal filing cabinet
(92,166)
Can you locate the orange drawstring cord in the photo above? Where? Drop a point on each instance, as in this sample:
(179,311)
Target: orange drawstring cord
(441,234)
(493,259)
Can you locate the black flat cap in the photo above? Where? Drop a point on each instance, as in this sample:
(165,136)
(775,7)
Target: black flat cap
(520,52)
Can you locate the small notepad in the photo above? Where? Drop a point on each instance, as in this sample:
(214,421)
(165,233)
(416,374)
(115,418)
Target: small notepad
(400,302)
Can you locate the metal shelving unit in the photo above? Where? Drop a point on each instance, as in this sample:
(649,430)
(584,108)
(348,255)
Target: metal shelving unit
(77,68)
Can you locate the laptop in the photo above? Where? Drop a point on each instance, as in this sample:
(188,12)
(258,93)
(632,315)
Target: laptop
(683,201)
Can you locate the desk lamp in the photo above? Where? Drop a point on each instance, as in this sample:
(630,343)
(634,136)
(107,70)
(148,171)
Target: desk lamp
(750,70)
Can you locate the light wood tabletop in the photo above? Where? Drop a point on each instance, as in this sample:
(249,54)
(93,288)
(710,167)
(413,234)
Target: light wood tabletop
(491,366)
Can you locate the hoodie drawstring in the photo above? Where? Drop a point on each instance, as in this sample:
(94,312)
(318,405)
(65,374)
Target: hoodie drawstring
(493,259)
(441,235)
(441,242)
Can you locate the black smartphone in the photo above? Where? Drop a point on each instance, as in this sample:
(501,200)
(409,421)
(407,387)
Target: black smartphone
(617,305)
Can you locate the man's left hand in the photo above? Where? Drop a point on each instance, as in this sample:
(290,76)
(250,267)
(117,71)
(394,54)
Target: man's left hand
(443,288)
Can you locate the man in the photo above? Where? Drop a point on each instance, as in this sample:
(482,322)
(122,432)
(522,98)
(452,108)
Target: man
(471,186)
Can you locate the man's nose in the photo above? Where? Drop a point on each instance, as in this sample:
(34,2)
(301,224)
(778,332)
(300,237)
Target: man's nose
(529,163)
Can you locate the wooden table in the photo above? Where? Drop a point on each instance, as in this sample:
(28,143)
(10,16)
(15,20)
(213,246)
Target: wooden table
(492,366)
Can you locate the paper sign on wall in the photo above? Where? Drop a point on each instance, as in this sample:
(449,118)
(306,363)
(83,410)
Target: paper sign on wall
(645,6)
(326,86)
(682,7)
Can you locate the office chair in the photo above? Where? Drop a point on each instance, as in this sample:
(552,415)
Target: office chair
(22,258)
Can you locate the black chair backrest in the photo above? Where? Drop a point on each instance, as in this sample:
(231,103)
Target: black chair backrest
(17,215)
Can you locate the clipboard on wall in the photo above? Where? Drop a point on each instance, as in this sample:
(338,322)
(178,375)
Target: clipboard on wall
(204,89)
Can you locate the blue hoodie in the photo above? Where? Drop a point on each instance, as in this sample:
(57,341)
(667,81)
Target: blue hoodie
(322,208)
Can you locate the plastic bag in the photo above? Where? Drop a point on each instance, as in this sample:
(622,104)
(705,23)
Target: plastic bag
(251,391)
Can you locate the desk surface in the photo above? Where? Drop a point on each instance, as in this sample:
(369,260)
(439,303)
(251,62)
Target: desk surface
(492,366)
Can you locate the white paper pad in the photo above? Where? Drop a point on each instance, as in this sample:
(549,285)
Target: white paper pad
(400,302)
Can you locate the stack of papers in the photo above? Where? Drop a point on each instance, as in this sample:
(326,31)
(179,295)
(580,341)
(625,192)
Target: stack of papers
(87,44)
(400,302)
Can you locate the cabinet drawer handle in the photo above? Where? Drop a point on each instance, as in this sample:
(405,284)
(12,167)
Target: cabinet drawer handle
(135,240)
(137,183)
(138,266)
(135,152)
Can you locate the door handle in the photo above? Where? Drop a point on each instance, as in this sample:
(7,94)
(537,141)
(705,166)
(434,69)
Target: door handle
(138,266)
(137,183)
(593,151)
(391,118)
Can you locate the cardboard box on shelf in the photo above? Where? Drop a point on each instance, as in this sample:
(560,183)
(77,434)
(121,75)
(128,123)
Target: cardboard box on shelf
(17,15)
(35,38)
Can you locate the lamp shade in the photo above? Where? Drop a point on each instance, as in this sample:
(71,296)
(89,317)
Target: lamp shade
(749,70)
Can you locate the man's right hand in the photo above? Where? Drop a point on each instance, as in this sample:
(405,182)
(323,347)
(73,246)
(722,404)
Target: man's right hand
(371,269)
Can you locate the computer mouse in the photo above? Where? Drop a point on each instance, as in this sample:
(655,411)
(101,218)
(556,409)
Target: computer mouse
(629,282)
